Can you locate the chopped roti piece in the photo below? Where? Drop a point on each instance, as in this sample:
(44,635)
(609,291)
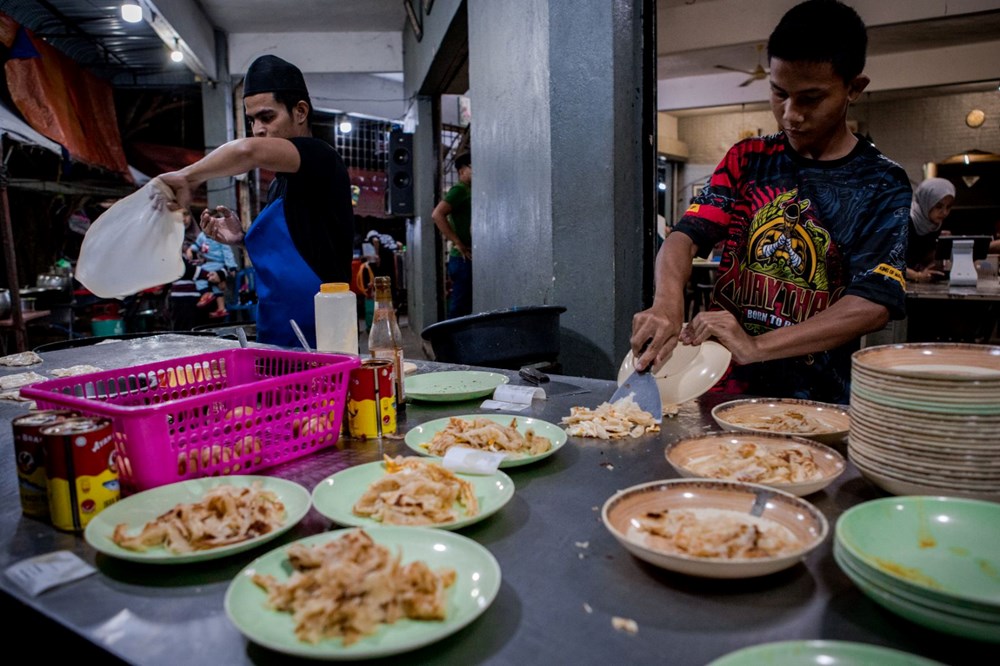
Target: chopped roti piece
(13,395)
(20,359)
(8,382)
(74,370)
(628,625)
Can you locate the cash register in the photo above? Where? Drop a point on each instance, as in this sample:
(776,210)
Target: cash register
(962,252)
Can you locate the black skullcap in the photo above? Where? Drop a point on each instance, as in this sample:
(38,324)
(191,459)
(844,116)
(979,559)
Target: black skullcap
(272,74)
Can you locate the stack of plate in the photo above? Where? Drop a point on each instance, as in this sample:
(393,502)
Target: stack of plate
(932,560)
(925,418)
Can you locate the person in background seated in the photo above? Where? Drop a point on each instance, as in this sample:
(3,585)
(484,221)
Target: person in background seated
(932,202)
(184,292)
(219,258)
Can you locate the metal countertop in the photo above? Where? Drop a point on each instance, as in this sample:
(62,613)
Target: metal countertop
(564,575)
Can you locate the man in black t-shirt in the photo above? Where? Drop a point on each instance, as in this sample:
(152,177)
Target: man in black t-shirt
(304,237)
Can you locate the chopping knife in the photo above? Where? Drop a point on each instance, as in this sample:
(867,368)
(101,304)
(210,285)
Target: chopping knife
(642,386)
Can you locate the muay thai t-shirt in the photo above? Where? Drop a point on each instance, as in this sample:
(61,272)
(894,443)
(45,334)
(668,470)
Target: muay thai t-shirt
(798,235)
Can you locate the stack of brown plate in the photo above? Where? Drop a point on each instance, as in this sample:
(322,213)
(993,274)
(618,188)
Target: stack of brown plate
(925,419)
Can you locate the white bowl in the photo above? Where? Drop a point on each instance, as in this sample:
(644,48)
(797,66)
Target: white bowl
(687,374)
(802,519)
(685,455)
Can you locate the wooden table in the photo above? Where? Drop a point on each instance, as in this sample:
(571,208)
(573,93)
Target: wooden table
(564,576)
(939,306)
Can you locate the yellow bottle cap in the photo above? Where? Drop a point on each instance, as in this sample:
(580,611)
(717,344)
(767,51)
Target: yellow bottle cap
(333,287)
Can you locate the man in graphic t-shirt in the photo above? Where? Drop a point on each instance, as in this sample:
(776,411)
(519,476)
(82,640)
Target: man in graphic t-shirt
(813,220)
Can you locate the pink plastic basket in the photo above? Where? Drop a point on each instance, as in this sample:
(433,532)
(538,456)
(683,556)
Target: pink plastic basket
(236,411)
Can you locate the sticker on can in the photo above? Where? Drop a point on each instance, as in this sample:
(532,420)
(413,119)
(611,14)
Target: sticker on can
(81,471)
(371,404)
(29,455)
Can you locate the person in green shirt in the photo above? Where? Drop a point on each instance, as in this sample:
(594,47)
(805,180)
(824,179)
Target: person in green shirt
(453,217)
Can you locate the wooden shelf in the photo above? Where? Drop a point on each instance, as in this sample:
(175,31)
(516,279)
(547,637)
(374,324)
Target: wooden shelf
(25,317)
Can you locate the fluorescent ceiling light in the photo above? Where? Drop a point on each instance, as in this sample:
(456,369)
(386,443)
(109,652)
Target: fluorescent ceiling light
(131,12)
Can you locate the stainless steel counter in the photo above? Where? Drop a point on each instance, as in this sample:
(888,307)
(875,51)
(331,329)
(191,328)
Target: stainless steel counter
(564,575)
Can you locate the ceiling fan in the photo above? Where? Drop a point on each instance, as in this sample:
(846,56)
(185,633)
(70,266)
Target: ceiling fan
(755,74)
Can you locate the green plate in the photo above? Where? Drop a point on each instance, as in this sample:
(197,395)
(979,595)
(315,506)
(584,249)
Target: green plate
(476,584)
(418,437)
(820,653)
(453,385)
(136,510)
(943,547)
(922,614)
(335,495)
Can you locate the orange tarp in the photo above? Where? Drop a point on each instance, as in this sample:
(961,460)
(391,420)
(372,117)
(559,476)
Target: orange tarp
(63,101)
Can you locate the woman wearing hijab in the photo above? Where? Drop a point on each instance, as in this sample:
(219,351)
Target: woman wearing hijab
(932,202)
(305,235)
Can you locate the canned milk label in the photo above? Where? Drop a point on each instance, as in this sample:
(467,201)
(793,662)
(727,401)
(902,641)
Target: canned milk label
(81,470)
(29,454)
(371,404)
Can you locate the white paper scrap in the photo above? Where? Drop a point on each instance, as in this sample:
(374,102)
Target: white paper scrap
(516,398)
(501,406)
(523,395)
(472,461)
(37,574)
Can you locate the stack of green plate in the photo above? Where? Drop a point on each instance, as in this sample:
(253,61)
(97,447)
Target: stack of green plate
(933,560)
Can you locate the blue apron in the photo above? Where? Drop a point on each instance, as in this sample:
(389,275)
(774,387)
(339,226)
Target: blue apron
(286,285)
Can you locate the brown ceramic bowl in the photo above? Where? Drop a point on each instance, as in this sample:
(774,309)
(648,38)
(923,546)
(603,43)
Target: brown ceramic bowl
(803,520)
(689,457)
(823,422)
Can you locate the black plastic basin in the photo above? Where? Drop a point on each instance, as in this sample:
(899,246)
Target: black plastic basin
(507,339)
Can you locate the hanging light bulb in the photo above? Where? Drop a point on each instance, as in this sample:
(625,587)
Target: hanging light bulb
(176,54)
(131,12)
(345,126)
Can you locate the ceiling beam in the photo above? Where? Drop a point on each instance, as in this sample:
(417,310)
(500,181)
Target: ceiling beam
(320,52)
(184,24)
(703,25)
(896,71)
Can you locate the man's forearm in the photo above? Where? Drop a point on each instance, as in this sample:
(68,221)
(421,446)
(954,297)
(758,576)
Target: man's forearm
(846,320)
(673,272)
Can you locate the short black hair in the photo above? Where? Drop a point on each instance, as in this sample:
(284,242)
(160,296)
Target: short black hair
(821,31)
(463,160)
(289,98)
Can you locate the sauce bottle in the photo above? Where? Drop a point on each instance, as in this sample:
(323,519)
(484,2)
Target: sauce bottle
(385,341)
(336,318)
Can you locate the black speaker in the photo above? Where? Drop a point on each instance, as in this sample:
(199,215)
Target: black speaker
(400,174)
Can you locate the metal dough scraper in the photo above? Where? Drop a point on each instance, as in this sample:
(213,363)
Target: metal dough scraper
(642,386)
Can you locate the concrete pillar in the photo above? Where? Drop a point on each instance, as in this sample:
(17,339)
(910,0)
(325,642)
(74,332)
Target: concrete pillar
(556,92)
(421,238)
(217,115)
